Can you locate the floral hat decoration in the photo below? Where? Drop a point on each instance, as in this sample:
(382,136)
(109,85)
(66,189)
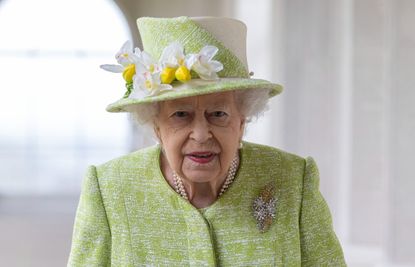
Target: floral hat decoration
(184,57)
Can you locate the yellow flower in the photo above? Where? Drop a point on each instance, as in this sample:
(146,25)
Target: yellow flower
(128,73)
(183,74)
(173,57)
(167,75)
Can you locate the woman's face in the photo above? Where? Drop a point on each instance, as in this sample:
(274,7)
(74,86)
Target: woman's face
(200,135)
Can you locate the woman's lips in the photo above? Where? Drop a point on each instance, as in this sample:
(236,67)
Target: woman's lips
(201,157)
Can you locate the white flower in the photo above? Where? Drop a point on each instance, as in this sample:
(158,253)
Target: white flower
(175,64)
(148,84)
(132,62)
(204,66)
(146,62)
(112,68)
(145,76)
(173,57)
(125,57)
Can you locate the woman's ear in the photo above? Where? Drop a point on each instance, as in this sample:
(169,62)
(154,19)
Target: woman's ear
(156,130)
(243,120)
(242,128)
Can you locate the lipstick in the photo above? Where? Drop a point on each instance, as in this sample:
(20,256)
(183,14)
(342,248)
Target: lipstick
(201,157)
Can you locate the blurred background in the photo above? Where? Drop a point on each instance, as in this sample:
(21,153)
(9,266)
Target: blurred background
(348,68)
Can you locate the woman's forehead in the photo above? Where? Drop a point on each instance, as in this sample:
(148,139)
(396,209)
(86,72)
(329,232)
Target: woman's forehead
(210,100)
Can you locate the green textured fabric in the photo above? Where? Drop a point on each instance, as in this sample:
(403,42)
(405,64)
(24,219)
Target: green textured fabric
(128,215)
(157,33)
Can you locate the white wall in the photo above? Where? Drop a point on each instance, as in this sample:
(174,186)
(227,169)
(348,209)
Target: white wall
(349,78)
(348,71)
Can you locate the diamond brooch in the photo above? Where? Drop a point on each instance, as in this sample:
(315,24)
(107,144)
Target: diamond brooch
(264,207)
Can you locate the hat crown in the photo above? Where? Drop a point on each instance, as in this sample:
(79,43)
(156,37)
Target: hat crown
(231,32)
(228,35)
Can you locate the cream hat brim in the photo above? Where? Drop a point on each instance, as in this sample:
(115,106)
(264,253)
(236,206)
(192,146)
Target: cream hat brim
(197,87)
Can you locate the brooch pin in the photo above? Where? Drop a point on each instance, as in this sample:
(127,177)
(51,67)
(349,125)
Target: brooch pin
(264,207)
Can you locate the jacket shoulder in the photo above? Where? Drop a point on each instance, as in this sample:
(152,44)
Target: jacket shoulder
(267,152)
(140,159)
(286,168)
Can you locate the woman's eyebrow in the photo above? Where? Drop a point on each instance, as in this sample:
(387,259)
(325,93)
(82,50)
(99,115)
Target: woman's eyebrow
(181,106)
(218,105)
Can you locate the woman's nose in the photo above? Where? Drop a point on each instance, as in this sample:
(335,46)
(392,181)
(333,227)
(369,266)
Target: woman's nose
(200,131)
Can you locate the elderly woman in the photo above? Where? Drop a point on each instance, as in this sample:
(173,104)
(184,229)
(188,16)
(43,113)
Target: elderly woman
(202,196)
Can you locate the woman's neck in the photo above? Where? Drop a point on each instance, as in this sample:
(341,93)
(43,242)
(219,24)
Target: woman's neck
(201,195)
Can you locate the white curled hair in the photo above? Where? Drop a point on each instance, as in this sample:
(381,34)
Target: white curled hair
(251,103)
(143,117)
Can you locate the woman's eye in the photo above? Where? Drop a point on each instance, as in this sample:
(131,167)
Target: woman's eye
(219,114)
(180,114)
(219,118)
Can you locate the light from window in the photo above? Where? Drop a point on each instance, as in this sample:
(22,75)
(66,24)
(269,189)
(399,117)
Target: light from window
(53,95)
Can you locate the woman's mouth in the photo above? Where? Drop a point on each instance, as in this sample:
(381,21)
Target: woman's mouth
(201,157)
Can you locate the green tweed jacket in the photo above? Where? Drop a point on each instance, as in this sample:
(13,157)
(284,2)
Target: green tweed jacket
(128,215)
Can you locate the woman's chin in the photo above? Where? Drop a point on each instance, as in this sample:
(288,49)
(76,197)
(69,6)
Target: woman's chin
(201,176)
(201,171)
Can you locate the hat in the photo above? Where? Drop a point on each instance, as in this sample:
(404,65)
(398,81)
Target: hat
(185,57)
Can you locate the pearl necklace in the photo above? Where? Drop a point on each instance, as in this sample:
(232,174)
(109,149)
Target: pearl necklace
(179,187)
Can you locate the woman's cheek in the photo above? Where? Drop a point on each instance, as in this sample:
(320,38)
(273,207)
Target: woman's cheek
(179,142)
